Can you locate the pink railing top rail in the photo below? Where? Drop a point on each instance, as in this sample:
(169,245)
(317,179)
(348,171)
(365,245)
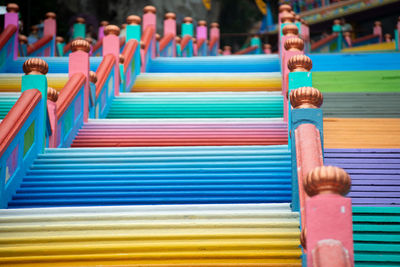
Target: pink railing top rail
(39,44)
(68,93)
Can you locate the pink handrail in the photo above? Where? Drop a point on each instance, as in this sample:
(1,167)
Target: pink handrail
(128,52)
(185,41)
(323,41)
(166,40)
(68,93)
(103,71)
(246,50)
(39,44)
(6,35)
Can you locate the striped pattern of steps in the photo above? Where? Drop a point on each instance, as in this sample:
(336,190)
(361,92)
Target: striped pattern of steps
(362,132)
(225,64)
(177,235)
(198,105)
(181,132)
(201,82)
(156,175)
(376,236)
(7,101)
(361,105)
(375,174)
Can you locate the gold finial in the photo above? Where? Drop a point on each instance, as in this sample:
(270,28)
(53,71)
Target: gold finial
(12,8)
(388,38)
(299,63)
(92,77)
(285,8)
(294,44)
(327,180)
(187,20)
(214,25)
(22,39)
(121,59)
(80,45)
(51,15)
(306,97)
(297,18)
(336,22)
(158,37)
(35,66)
(202,23)
(59,39)
(52,94)
(178,39)
(150,9)
(104,23)
(377,23)
(267,46)
(287,18)
(133,20)
(303,237)
(80,20)
(170,15)
(227,48)
(111,29)
(290,30)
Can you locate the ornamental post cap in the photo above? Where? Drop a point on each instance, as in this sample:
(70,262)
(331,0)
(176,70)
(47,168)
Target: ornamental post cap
(35,66)
(151,9)
(187,20)
(158,36)
(177,39)
(59,39)
(297,18)
(267,46)
(202,23)
(306,97)
(388,37)
(12,8)
(285,8)
(336,22)
(290,30)
(170,15)
(294,44)
(52,94)
(22,39)
(378,23)
(293,13)
(287,18)
(299,63)
(80,45)
(220,51)
(214,25)
(50,15)
(133,20)
(104,23)
(92,77)
(227,47)
(111,29)
(121,59)
(327,180)
(80,20)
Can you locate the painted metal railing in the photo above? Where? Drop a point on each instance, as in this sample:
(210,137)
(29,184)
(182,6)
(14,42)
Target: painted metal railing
(167,46)
(7,45)
(105,85)
(131,69)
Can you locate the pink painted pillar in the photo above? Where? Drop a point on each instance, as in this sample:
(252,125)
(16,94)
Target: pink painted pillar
(267,49)
(100,34)
(170,28)
(50,28)
(111,46)
(215,33)
(378,30)
(201,30)
(52,113)
(79,63)
(11,18)
(227,50)
(150,19)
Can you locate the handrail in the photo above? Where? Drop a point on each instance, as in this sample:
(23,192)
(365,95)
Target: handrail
(246,50)
(16,117)
(39,44)
(129,51)
(324,41)
(186,39)
(7,34)
(97,46)
(103,71)
(364,38)
(166,40)
(213,40)
(200,42)
(147,37)
(68,93)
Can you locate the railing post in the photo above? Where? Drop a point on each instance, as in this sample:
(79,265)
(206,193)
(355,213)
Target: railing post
(133,31)
(11,18)
(150,19)
(267,49)
(187,27)
(329,237)
(227,50)
(79,63)
(111,46)
(52,96)
(170,28)
(100,34)
(35,70)
(201,34)
(286,18)
(60,46)
(337,28)
(378,30)
(305,35)
(255,40)
(214,34)
(50,28)
(79,30)
(284,9)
